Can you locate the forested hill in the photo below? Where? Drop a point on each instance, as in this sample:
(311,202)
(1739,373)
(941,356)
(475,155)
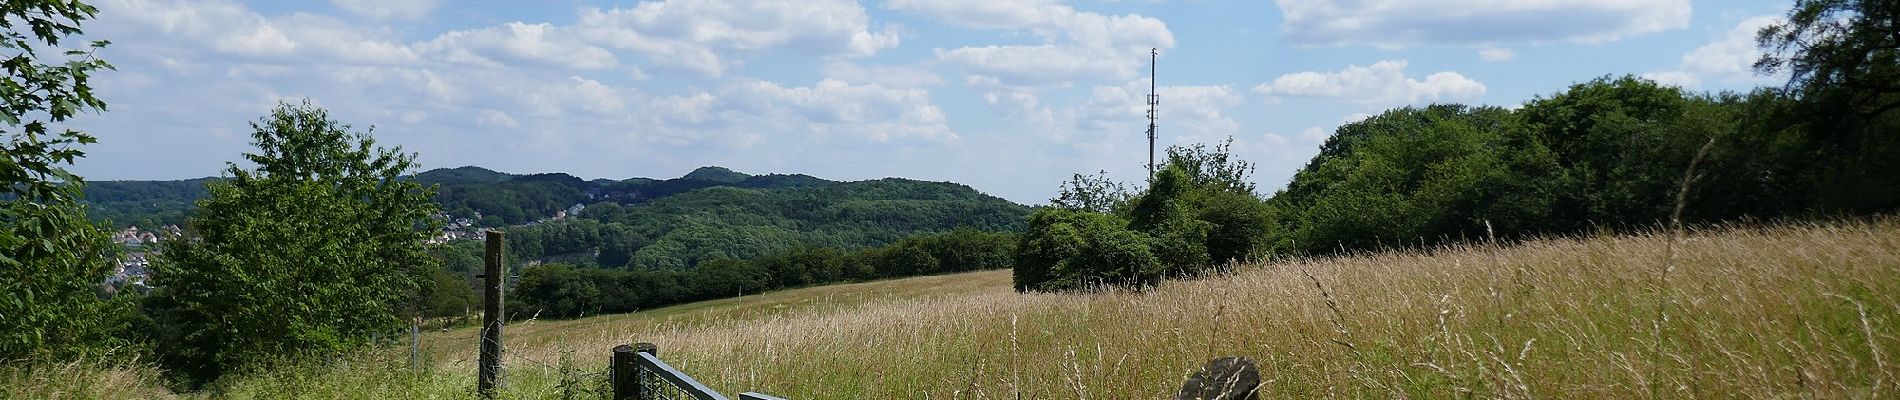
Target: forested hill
(143,203)
(739,223)
(492,198)
(496,199)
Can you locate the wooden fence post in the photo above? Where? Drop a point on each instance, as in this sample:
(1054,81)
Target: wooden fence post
(415,344)
(622,373)
(626,379)
(492,274)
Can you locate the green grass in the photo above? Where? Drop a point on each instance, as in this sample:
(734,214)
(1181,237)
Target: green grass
(1792,311)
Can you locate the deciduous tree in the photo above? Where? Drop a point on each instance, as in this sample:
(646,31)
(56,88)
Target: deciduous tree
(309,254)
(51,258)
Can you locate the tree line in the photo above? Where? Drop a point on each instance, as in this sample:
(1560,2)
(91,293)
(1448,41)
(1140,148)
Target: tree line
(563,290)
(1606,155)
(320,246)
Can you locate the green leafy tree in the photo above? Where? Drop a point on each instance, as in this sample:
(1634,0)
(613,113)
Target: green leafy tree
(309,254)
(1079,250)
(1621,144)
(1091,193)
(1202,198)
(1845,53)
(1843,61)
(51,258)
(1412,174)
(445,295)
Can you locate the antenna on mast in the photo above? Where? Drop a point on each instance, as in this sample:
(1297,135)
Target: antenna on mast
(1153,100)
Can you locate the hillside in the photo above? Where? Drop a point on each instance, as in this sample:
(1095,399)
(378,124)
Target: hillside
(143,203)
(1777,311)
(489,197)
(725,222)
(1548,318)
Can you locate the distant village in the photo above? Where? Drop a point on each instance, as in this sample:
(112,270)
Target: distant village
(133,270)
(464,228)
(134,267)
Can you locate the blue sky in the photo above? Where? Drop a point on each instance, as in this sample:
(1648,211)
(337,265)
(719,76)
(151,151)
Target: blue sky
(1007,97)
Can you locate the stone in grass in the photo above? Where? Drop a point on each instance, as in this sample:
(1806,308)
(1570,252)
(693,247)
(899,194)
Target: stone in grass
(1225,378)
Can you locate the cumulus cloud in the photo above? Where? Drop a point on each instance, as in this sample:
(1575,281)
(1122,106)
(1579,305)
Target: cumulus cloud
(226,28)
(485,94)
(517,42)
(1729,59)
(831,106)
(388,9)
(1382,84)
(1032,65)
(1074,43)
(1399,23)
(886,75)
(693,33)
(1186,113)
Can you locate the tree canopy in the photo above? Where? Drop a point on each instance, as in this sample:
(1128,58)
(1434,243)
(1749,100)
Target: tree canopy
(1845,53)
(51,257)
(310,253)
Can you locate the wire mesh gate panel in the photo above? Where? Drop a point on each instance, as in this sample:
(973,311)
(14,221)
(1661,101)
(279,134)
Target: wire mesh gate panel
(638,374)
(659,381)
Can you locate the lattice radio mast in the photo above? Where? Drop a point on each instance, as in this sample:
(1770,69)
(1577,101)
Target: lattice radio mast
(1153,100)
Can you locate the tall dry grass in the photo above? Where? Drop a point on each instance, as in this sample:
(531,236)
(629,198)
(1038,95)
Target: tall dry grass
(1788,311)
(1805,310)
(82,379)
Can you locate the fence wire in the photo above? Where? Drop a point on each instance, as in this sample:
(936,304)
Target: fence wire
(654,387)
(658,381)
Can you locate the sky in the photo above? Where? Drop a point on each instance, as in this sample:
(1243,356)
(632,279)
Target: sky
(1008,97)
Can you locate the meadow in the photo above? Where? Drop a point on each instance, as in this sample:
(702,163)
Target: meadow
(1805,310)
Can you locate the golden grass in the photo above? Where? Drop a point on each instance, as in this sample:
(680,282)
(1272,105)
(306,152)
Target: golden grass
(1806,310)
(1790,311)
(81,379)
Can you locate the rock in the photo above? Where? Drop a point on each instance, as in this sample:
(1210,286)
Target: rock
(1225,378)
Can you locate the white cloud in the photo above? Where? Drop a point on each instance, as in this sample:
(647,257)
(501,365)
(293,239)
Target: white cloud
(480,94)
(496,119)
(230,29)
(1187,114)
(1315,135)
(259,40)
(334,40)
(1675,78)
(1728,60)
(227,27)
(886,75)
(388,9)
(988,14)
(1021,105)
(590,95)
(1074,44)
(686,112)
(705,36)
(831,106)
(1022,66)
(1496,54)
(692,33)
(1399,23)
(1382,84)
(519,42)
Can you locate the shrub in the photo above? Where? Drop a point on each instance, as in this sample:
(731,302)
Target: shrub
(1071,249)
(308,255)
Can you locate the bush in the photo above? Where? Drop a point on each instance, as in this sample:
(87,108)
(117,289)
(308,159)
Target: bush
(308,255)
(1198,213)
(1072,249)
(1203,210)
